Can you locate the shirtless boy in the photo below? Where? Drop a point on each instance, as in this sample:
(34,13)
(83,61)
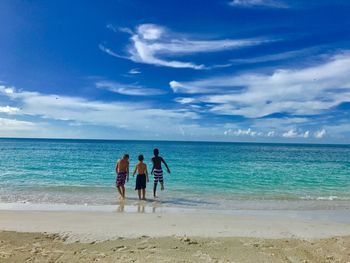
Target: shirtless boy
(142,177)
(157,170)
(122,171)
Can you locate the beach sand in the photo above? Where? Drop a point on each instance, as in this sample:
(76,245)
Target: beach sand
(81,236)
(35,247)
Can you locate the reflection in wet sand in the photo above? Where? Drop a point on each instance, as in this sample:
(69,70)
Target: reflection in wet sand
(121,207)
(141,207)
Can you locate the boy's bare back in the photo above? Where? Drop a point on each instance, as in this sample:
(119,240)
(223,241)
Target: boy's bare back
(141,168)
(123,165)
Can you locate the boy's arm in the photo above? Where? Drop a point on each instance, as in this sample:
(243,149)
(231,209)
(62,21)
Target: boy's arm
(152,166)
(127,172)
(167,167)
(146,174)
(116,167)
(134,171)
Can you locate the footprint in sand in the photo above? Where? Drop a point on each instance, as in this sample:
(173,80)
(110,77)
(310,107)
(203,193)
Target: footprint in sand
(188,241)
(142,248)
(5,255)
(119,248)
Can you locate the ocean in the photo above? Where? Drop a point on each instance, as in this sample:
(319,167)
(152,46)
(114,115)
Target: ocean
(204,175)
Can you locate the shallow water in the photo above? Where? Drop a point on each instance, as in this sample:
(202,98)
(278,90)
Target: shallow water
(204,174)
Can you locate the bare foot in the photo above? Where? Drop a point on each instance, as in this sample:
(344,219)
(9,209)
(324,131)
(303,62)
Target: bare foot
(162,188)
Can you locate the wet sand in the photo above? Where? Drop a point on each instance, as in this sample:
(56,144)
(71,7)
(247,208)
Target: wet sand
(177,236)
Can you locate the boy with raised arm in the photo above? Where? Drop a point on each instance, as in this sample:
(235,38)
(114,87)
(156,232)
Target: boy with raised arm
(157,171)
(122,171)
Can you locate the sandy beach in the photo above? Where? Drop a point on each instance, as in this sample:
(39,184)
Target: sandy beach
(174,236)
(34,247)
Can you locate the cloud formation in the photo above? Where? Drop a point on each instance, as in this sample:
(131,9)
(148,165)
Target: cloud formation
(155,45)
(305,91)
(15,125)
(9,110)
(128,89)
(320,134)
(293,133)
(259,3)
(134,71)
(114,114)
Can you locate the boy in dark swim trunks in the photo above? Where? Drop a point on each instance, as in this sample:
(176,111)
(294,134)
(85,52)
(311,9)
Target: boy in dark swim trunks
(142,177)
(122,171)
(157,170)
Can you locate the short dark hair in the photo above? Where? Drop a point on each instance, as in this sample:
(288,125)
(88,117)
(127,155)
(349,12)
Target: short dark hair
(126,156)
(140,157)
(156,152)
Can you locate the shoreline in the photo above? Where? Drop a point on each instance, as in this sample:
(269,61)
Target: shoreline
(133,222)
(172,235)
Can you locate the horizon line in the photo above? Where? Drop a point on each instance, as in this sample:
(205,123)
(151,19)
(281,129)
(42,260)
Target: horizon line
(164,140)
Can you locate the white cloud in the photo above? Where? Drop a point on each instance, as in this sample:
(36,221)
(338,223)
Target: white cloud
(150,31)
(126,115)
(15,125)
(271,134)
(151,43)
(242,132)
(306,134)
(134,71)
(109,51)
(320,134)
(293,133)
(9,110)
(305,91)
(184,100)
(261,3)
(290,134)
(7,90)
(128,89)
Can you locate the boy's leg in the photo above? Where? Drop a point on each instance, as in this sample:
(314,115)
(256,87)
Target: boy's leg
(139,193)
(123,191)
(143,194)
(161,180)
(120,191)
(155,189)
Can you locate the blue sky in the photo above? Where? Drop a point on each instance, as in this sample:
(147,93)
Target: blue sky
(235,70)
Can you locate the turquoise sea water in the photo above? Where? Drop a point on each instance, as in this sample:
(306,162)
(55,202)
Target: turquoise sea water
(204,174)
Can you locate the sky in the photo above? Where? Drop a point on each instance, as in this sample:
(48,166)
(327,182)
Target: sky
(225,70)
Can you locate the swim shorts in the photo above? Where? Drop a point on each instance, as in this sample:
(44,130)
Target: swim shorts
(158,175)
(140,182)
(121,177)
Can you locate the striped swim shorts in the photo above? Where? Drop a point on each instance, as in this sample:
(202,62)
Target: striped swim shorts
(158,175)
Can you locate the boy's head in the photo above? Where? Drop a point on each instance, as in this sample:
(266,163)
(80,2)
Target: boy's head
(126,156)
(156,152)
(140,158)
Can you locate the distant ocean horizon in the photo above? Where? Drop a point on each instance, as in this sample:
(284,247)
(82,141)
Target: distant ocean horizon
(210,175)
(174,140)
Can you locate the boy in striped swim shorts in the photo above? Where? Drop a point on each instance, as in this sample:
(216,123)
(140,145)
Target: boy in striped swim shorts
(157,171)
